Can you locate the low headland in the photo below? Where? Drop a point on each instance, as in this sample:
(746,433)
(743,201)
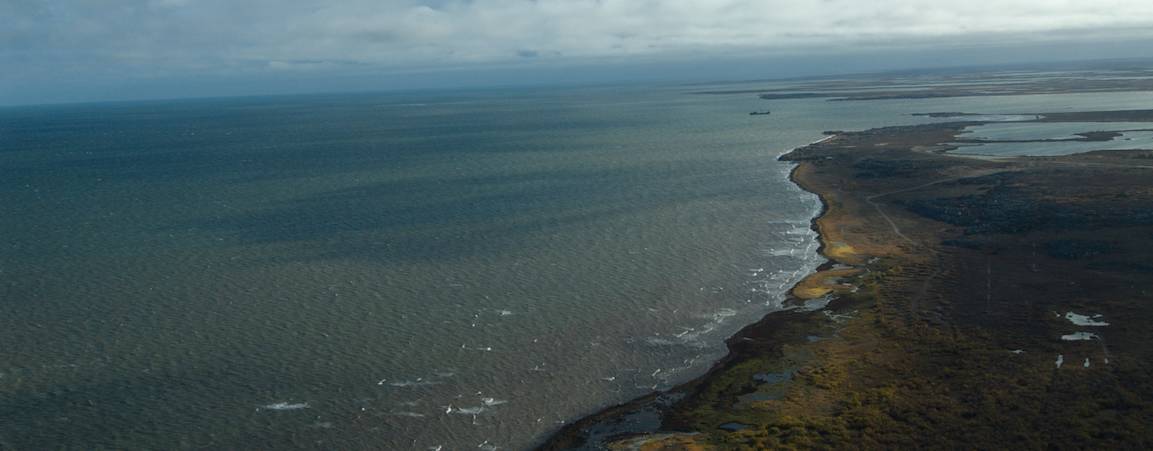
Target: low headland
(966,302)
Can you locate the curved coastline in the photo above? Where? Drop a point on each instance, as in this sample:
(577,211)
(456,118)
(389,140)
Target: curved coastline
(937,319)
(645,416)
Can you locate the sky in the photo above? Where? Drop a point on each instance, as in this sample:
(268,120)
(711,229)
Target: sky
(85,50)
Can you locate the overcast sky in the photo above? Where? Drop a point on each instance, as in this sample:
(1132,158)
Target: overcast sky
(64,50)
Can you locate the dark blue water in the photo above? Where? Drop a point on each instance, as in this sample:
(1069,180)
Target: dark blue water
(376,271)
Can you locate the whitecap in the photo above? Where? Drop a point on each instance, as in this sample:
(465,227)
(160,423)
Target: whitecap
(655,341)
(724,313)
(786,252)
(467,410)
(407,414)
(285,406)
(419,382)
(493,401)
(1060,360)
(781,275)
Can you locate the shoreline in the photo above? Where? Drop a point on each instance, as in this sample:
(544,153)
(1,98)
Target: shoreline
(907,336)
(576,435)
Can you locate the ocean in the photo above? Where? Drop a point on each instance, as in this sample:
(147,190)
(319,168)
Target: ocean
(433,270)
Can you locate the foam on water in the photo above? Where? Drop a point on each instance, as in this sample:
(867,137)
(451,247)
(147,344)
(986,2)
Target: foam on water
(493,402)
(466,410)
(418,382)
(407,414)
(285,406)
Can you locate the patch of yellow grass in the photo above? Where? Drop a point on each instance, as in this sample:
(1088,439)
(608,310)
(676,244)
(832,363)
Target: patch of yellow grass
(806,293)
(661,442)
(841,251)
(822,283)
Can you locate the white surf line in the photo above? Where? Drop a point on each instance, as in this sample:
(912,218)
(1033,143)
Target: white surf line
(826,138)
(284,406)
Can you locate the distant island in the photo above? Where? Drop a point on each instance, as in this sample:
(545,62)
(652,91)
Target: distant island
(867,90)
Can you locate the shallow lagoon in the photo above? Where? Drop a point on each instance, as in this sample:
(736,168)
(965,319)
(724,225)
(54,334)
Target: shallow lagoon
(1142,139)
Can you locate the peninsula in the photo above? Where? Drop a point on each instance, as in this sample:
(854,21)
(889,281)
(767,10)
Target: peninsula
(967,302)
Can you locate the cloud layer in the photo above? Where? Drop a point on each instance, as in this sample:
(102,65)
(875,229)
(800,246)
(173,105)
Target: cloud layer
(46,38)
(284,33)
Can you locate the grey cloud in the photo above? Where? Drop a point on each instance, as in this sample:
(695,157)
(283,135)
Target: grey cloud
(409,31)
(40,38)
